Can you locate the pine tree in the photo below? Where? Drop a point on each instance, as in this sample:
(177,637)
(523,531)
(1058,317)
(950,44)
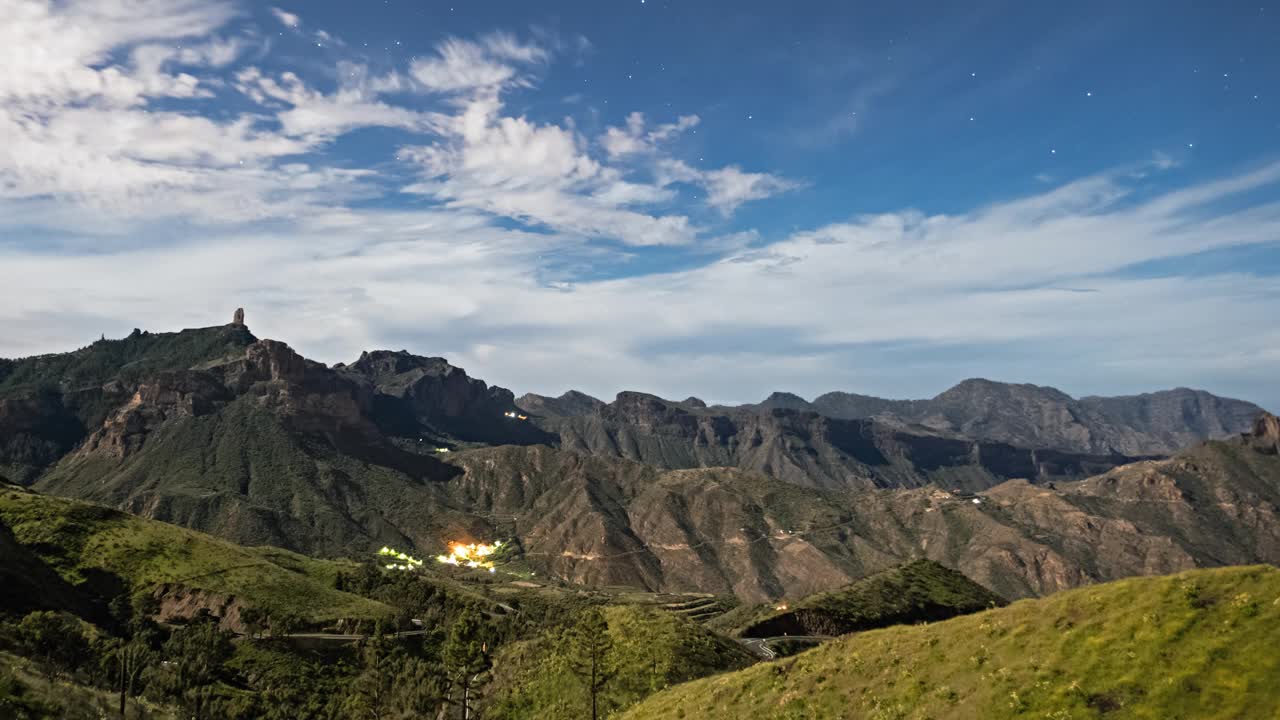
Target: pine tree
(591,654)
(132,658)
(466,657)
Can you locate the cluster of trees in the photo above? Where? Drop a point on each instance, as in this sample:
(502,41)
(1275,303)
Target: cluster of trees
(207,673)
(177,667)
(443,669)
(604,659)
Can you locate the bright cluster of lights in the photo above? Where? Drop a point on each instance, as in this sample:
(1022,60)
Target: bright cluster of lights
(407,562)
(470,555)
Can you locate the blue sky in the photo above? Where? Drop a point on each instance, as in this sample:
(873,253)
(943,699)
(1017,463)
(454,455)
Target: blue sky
(720,199)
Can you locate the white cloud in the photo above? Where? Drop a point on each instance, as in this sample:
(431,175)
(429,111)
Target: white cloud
(307,113)
(490,63)
(54,54)
(727,188)
(730,187)
(287,19)
(85,131)
(634,139)
(540,174)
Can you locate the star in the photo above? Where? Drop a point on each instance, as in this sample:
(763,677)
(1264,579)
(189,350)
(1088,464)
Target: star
(1088,94)
(1053,152)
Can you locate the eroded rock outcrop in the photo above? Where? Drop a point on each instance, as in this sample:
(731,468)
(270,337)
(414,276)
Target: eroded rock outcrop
(1266,433)
(165,397)
(426,396)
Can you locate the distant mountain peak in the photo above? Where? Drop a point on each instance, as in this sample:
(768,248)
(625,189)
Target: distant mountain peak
(984,385)
(785,401)
(571,403)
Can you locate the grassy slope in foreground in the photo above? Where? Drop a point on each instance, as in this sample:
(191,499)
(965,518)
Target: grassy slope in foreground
(1199,644)
(78,540)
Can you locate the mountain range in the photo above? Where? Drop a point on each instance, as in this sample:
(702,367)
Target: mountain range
(1023,489)
(1022,415)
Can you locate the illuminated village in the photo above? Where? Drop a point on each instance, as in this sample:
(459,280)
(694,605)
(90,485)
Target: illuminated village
(407,562)
(467,555)
(470,555)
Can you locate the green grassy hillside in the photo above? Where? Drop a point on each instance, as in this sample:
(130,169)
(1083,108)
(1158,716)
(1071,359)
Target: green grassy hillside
(918,591)
(1200,644)
(103,553)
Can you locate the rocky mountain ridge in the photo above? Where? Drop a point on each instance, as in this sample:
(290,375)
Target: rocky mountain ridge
(807,449)
(1022,415)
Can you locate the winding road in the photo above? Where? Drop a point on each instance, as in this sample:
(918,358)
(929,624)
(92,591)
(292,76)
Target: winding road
(760,646)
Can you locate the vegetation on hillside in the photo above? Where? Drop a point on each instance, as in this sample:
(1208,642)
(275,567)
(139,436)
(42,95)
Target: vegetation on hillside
(27,693)
(129,359)
(49,403)
(919,591)
(106,553)
(118,611)
(1199,644)
(243,474)
(639,651)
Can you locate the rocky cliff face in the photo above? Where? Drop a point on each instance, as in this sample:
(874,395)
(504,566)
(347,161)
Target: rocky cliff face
(36,429)
(50,404)
(427,397)
(310,398)
(805,448)
(1265,436)
(166,397)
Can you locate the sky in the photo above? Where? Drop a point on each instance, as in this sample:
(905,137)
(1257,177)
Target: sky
(686,198)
